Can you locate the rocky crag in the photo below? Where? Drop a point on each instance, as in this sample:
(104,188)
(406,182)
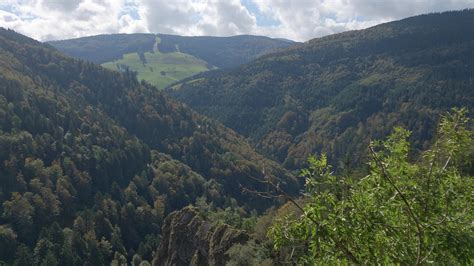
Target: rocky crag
(189,239)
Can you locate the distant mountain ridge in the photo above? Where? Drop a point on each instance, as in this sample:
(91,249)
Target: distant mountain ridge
(163,59)
(333,94)
(215,50)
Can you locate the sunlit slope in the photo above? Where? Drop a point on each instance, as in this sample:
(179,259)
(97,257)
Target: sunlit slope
(160,69)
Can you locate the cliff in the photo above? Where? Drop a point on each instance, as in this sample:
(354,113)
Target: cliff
(189,239)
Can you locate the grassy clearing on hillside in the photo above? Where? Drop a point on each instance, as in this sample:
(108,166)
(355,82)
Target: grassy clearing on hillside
(160,69)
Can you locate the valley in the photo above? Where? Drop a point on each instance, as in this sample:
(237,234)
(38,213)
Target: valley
(354,148)
(334,94)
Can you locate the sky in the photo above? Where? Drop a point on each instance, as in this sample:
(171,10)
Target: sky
(298,20)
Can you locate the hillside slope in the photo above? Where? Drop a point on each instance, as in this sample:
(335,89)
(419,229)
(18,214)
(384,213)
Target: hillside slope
(335,93)
(160,69)
(163,59)
(92,160)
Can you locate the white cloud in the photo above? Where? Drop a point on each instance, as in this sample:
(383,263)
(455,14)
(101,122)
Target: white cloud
(306,19)
(60,19)
(203,17)
(296,19)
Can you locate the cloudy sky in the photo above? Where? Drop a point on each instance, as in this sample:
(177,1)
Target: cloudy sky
(299,20)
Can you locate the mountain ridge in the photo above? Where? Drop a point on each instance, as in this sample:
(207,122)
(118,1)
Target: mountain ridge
(311,97)
(146,44)
(162,59)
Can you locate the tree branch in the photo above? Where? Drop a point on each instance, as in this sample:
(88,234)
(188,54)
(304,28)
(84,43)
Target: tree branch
(404,199)
(281,193)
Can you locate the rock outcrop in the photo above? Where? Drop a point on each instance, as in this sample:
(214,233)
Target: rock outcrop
(189,239)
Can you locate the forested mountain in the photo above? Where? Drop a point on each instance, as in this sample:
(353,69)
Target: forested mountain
(92,160)
(223,52)
(163,59)
(334,94)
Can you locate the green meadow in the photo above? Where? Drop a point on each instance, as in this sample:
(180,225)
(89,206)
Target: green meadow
(160,69)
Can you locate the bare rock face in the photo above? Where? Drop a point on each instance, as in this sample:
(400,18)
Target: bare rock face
(189,239)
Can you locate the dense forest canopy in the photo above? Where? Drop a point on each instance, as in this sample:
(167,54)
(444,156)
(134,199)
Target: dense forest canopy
(334,94)
(92,160)
(97,167)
